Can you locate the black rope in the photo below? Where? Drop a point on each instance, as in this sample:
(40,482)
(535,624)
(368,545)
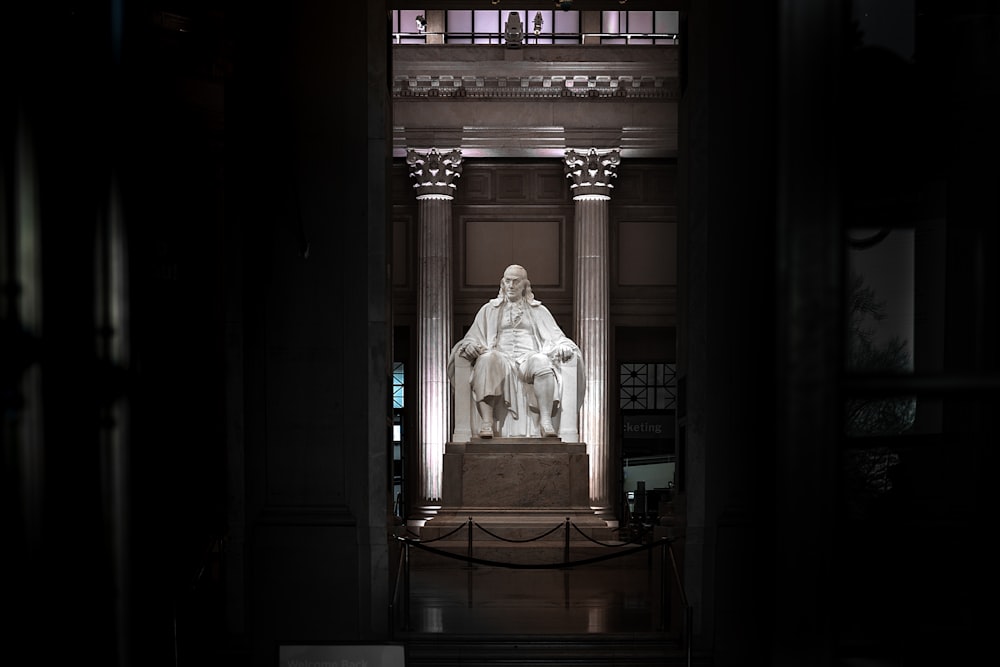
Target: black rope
(530,539)
(441,537)
(603,544)
(538,566)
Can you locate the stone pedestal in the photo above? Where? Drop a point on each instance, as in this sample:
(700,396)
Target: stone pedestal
(509,491)
(516,474)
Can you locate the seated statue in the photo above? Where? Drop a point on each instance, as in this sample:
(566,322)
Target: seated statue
(518,357)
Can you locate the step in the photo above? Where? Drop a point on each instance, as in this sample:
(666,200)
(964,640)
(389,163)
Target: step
(579,651)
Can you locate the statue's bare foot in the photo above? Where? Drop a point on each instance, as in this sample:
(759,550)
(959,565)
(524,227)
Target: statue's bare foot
(548,430)
(486,430)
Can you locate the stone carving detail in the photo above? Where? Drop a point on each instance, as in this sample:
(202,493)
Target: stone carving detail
(591,173)
(434,173)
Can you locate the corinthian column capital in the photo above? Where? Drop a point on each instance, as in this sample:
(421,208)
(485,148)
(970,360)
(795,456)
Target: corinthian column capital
(592,172)
(434,173)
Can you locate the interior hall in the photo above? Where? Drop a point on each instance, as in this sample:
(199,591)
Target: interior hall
(241,242)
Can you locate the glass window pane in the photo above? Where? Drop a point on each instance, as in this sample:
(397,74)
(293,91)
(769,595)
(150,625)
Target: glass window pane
(881,300)
(544,28)
(666,22)
(398,380)
(666,382)
(612,22)
(487,21)
(458,21)
(566,22)
(868,416)
(647,386)
(640,22)
(408,20)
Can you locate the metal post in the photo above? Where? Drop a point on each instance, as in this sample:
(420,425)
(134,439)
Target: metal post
(406,585)
(470,542)
(566,543)
(664,590)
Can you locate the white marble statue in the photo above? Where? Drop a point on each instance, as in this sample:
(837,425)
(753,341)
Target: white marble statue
(517,353)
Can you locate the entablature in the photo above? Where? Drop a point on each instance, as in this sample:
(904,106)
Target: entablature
(537,101)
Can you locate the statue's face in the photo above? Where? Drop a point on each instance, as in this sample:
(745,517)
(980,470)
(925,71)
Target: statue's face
(513,284)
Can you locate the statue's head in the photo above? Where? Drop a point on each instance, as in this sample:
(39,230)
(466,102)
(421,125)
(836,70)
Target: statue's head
(515,284)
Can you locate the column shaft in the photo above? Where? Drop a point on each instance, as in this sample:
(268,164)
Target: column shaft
(434,173)
(591,315)
(434,315)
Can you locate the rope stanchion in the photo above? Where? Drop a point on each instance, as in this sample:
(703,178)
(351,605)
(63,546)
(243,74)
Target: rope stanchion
(566,543)
(439,537)
(621,550)
(664,590)
(603,544)
(508,539)
(470,538)
(537,566)
(406,587)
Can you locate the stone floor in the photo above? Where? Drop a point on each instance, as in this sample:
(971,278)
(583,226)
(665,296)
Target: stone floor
(605,598)
(606,614)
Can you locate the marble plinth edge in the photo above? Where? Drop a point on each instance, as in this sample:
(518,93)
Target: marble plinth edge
(515,446)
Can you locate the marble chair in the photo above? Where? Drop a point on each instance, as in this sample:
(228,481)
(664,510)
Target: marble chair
(565,418)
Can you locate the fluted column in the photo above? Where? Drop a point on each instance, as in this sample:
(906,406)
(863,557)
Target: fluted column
(434,174)
(590,176)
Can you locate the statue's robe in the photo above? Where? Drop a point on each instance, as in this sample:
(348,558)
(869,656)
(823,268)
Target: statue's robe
(518,398)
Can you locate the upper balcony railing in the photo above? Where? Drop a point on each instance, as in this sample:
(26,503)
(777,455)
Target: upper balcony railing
(617,38)
(538,27)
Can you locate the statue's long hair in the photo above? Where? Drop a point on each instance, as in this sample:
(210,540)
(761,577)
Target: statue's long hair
(527,294)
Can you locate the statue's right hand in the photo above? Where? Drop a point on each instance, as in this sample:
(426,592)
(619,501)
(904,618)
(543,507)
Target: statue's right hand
(469,350)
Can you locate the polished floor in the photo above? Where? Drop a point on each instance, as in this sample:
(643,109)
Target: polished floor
(619,598)
(610,614)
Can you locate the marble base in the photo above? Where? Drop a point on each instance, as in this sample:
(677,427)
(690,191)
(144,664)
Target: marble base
(519,500)
(528,490)
(515,474)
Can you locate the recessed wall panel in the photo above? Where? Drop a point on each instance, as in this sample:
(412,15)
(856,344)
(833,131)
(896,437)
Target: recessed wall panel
(475,186)
(493,245)
(512,186)
(551,186)
(647,253)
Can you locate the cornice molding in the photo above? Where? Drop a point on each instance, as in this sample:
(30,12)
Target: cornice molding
(542,73)
(572,77)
